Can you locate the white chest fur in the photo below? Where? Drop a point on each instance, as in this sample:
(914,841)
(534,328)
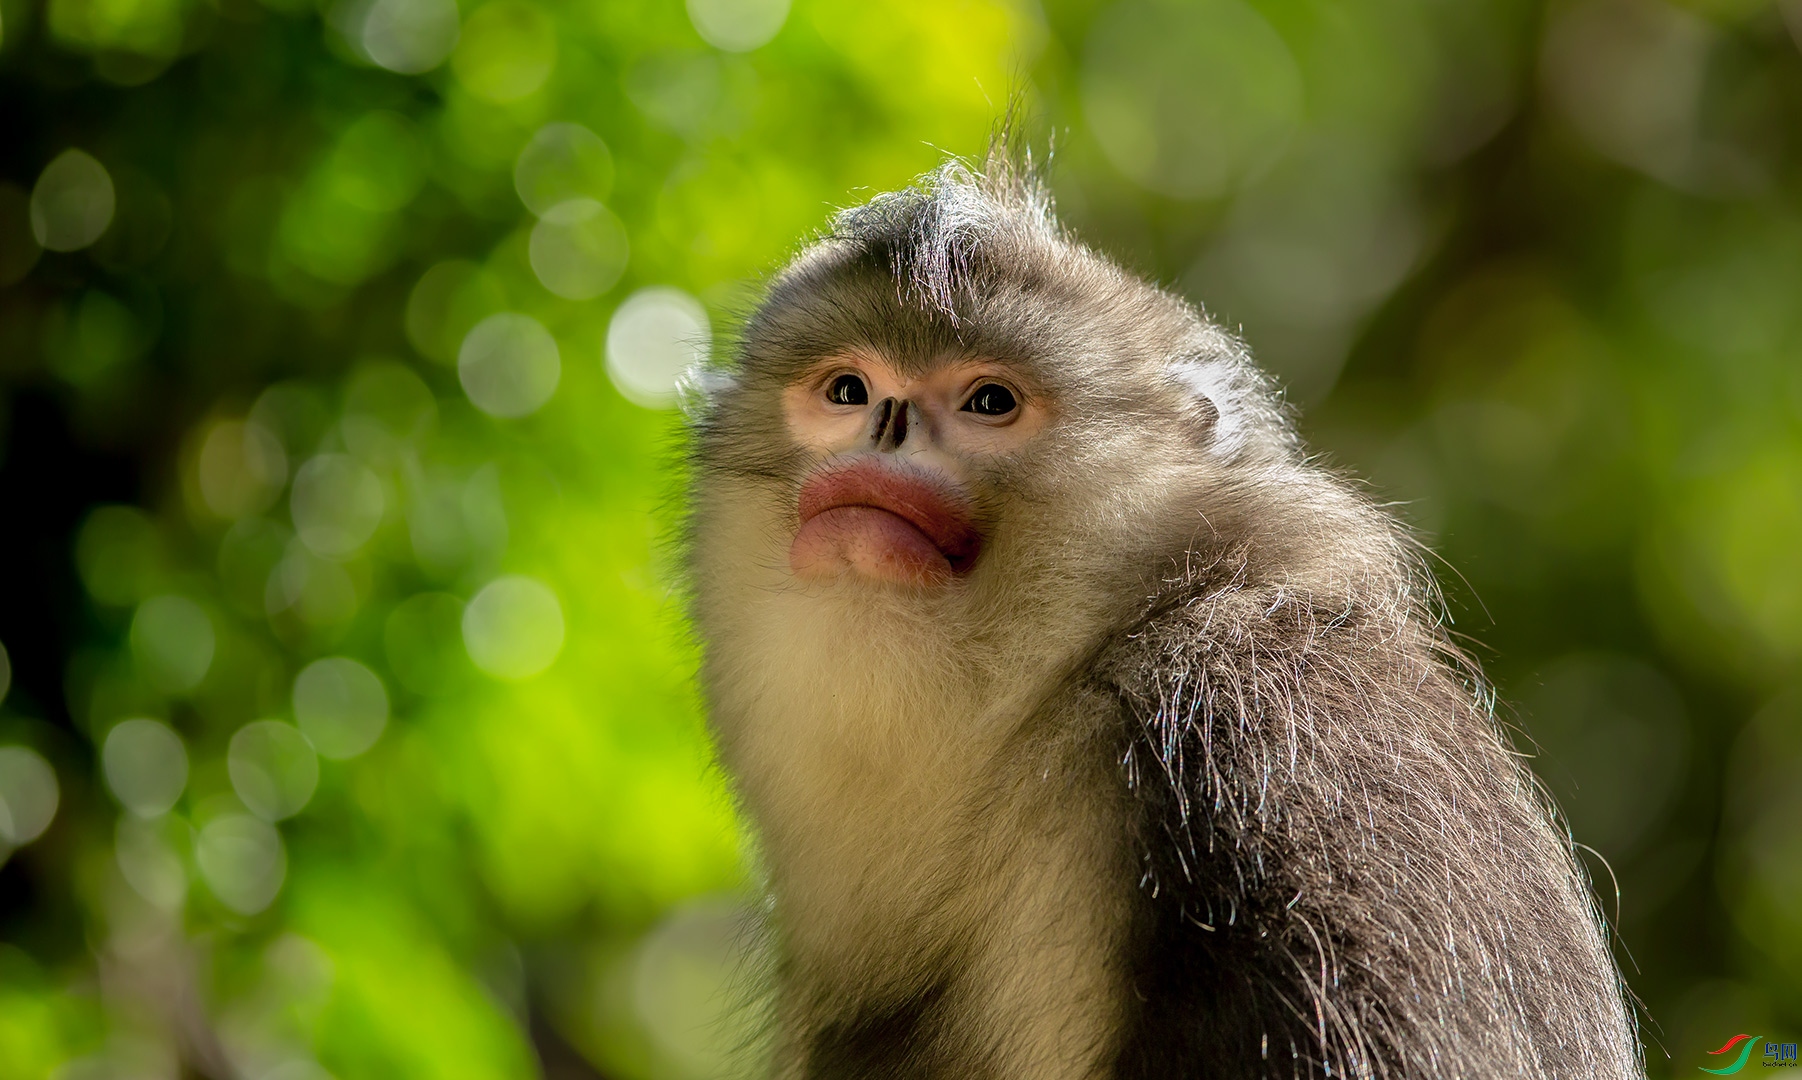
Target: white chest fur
(913,825)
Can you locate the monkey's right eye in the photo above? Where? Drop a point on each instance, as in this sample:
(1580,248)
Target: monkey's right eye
(848,390)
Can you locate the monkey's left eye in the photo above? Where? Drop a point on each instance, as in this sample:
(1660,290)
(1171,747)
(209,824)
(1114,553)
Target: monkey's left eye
(991,399)
(848,390)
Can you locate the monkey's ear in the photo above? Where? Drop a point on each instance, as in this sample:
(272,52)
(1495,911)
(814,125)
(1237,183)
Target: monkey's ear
(1204,386)
(700,386)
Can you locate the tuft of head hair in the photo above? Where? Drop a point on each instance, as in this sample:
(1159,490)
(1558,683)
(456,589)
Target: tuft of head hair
(934,235)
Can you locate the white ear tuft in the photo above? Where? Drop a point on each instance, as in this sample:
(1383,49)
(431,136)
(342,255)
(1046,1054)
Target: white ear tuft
(1212,381)
(699,385)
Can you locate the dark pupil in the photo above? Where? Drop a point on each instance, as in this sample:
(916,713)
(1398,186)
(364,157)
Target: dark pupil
(991,400)
(848,390)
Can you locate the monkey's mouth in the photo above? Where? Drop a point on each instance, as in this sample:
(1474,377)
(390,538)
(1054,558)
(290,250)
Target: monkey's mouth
(882,523)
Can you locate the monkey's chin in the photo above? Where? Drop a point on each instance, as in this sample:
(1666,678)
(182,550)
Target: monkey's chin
(867,542)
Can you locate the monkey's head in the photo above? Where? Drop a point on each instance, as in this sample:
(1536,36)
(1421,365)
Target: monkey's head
(946,404)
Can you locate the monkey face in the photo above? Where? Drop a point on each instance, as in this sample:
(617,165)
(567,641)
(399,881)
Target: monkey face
(889,498)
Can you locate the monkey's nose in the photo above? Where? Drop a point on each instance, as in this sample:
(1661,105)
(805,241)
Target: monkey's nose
(890,422)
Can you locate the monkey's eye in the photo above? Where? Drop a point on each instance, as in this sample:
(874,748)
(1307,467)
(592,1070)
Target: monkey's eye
(848,390)
(991,399)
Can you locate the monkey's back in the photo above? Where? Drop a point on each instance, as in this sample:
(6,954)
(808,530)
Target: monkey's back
(1346,871)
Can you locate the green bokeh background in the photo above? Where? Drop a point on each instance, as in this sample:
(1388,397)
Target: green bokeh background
(1533,269)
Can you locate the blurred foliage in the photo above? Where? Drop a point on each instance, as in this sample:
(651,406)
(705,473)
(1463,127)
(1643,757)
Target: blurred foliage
(346,725)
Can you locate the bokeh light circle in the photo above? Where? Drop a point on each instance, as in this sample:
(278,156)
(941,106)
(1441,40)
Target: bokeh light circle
(242,860)
(513,628)
(273,769)
(388,409)
(72,202)
(447,301)
(682,980)
(146,765)
(562,161)
(509,365)
(578,249)
(28,795)
(242,468)
(173,641)
(655,336)
(148,863)
(423,640)
(119,555)
(341,706)
(737,25)
(336,504)
(378,163)
(296,413)
(507,51)
(318,590)
(410,36)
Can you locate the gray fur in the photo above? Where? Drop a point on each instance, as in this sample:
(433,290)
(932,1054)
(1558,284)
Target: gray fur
(1185,779)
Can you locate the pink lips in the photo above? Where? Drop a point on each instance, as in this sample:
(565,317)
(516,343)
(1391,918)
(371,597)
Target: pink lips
(885,523)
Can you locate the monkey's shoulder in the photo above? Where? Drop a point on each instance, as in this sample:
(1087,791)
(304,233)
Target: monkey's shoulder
(1270,697)
(1273,636)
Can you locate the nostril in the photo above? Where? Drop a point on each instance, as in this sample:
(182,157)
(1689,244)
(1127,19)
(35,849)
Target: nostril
(892,423)
(880,421)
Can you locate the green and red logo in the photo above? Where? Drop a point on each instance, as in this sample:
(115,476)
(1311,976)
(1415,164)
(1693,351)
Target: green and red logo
(1776,1055)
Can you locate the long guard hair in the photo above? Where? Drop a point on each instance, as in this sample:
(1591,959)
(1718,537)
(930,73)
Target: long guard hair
(1207,665)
